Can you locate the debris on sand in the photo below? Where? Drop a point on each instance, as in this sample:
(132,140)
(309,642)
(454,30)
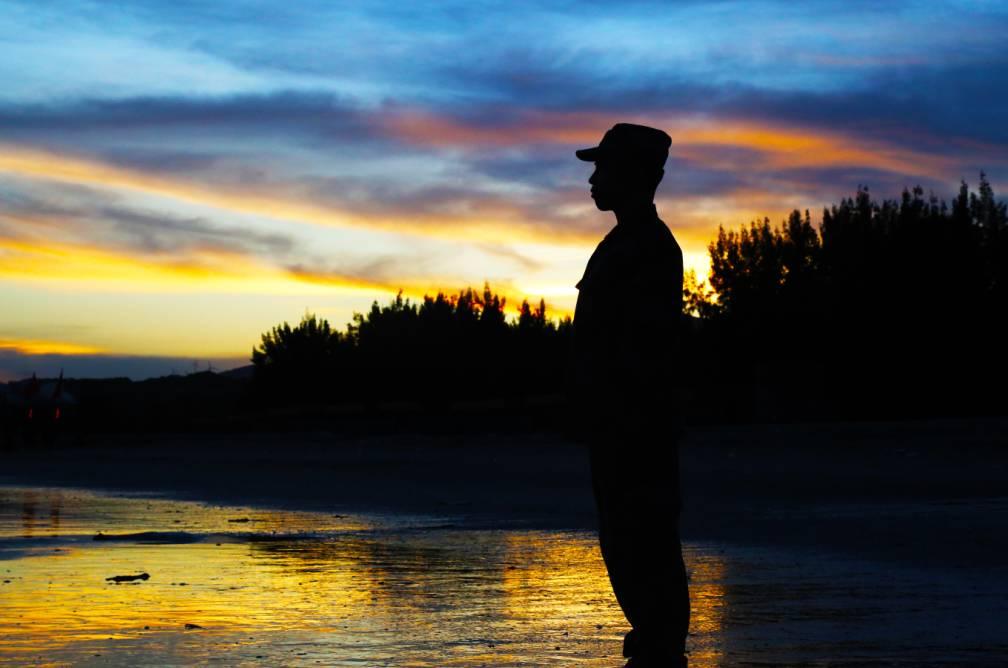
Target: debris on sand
(128,578)
(239,519)
(190,627)
(156,537)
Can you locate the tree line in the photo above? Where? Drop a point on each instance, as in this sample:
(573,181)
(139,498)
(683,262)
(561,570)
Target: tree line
(886,308)
(892,308)
(443,347)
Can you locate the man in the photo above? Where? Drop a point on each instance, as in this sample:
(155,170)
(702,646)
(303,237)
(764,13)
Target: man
(621,379)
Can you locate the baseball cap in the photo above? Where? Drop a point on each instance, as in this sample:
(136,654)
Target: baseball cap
(627,142)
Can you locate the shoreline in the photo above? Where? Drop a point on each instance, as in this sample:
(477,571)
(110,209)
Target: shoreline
(922,492)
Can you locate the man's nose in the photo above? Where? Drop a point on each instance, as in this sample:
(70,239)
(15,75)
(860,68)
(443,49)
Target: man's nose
(591,179)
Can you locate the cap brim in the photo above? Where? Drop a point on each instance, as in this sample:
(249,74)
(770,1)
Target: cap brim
(588,154)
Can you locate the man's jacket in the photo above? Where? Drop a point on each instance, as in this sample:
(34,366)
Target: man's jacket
(621,371)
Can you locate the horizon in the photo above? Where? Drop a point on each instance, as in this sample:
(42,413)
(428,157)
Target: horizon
(174,182)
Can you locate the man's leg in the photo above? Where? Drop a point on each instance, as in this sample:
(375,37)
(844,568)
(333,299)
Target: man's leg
(637,498)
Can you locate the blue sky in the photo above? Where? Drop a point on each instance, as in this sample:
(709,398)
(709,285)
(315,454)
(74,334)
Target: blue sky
(176,178)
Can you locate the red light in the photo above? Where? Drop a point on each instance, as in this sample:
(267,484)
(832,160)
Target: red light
(57,413)
(29,414)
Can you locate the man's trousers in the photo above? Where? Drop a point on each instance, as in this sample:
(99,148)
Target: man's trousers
(636,486)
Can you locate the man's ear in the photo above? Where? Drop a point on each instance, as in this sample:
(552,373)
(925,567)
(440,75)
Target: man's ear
(656,178)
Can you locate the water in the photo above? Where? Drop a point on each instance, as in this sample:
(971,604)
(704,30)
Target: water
(297,588)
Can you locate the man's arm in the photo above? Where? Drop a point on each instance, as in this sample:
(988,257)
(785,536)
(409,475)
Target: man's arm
(647,333)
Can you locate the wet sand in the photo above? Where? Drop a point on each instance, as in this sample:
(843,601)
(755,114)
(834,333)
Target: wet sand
(807,545)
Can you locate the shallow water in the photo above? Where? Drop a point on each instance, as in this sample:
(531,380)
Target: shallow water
(298,588)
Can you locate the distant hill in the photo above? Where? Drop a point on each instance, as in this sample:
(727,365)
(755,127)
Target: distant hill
(239,373)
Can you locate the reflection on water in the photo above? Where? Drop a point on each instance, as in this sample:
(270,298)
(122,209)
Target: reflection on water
(295,588)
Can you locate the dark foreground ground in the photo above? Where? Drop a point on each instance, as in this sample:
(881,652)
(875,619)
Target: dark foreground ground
(839,544)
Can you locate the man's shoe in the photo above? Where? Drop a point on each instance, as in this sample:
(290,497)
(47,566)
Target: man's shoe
(629,643)
(645,662)
(641,657)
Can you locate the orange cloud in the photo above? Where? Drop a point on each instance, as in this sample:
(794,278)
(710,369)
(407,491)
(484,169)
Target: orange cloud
(788,148)
(694,221)
(26,259)
(82,266)
(40,347)
(489,220)
(780,146)
(424,128)
(494,219)
(200,270)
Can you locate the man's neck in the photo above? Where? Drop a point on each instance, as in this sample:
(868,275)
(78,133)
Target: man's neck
(636,213)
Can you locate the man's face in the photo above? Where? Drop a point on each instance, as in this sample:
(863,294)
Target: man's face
(614,185)
(607,188)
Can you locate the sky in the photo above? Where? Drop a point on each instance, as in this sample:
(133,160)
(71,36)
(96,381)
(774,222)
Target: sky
(178,177)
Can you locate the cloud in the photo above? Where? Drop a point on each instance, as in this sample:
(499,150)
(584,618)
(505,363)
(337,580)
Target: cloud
(43,347)
(84,264)
(156,232)
(451,217)
(316,66)
(89,215)
(435,168)
(523,261)
(320,113)
(207,270)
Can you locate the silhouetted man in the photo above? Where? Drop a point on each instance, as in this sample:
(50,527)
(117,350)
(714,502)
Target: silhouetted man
(620,387)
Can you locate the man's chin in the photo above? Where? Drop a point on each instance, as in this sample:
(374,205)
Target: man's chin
(601,206)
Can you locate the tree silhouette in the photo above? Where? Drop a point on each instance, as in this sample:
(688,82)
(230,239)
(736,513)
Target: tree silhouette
(699,300)
(446,347)
(884,304)
(891,308)
(300,362)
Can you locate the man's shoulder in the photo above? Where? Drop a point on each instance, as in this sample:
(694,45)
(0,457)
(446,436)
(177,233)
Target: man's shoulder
(644,250)
(663,233)
(655,243)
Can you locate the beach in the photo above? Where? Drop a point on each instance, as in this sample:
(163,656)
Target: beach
(829,544)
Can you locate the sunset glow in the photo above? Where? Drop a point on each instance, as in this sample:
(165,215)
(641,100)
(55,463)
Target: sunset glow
(28,347)
(240,175)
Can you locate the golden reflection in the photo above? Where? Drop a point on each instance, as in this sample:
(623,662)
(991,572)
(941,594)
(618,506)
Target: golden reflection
(708,604)
(283,587)
(564,581)
(539,565)
(28,505)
